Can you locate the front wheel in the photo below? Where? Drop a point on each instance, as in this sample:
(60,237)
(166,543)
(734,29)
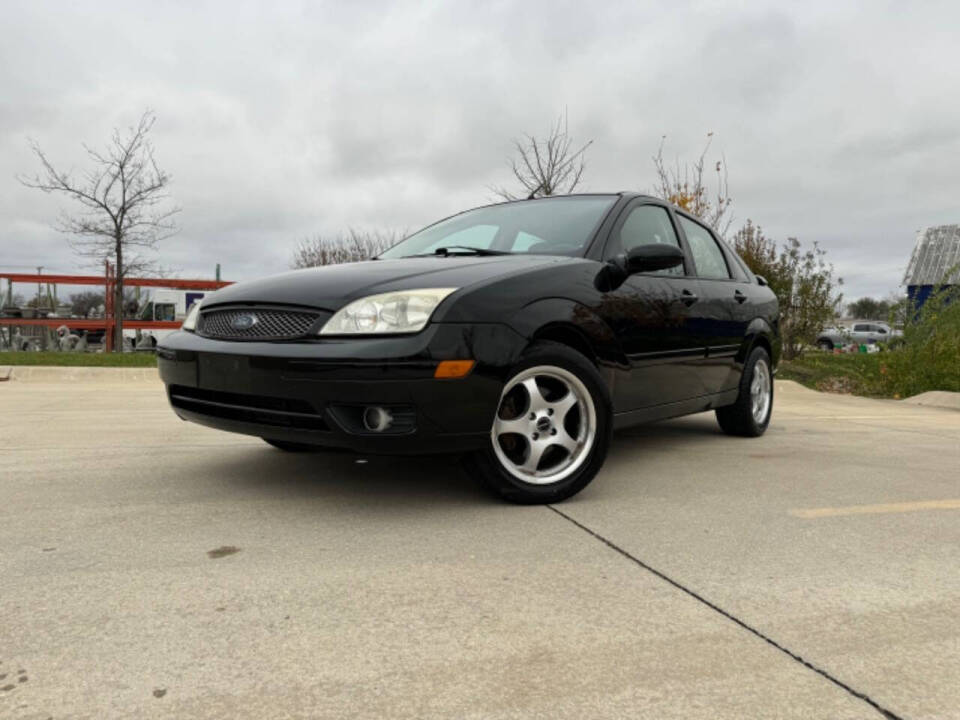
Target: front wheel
(550,434)
(749,416)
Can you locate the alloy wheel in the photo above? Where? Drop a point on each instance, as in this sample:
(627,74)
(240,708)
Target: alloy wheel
(545,425)
(760,391)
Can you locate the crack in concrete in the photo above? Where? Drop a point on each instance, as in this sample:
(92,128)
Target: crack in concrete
(888,714)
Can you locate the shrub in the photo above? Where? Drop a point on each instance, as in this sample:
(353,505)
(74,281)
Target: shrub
(801,279)
(929,356)
(353,246)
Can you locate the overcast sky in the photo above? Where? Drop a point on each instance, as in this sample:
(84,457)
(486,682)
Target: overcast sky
(840,121)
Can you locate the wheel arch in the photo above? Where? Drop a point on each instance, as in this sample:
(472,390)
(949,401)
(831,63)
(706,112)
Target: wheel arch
(576,326)
(569,335)
(760,334)
(573,324)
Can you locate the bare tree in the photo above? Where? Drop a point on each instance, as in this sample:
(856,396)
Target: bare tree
(684,185)
(121,204)
(352,246)
(546,167)
(86,304)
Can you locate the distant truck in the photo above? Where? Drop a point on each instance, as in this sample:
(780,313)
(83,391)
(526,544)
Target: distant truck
(861,333)
(167,305)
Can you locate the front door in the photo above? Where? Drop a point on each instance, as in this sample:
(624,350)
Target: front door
(654,316)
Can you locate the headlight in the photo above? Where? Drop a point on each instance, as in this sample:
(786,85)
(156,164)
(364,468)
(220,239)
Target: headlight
(405,311)
(190,321)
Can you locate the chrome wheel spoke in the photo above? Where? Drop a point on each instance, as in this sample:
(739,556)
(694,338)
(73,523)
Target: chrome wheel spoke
(563,405)
(534,455)
(537,401)
(520,426)
(564,440)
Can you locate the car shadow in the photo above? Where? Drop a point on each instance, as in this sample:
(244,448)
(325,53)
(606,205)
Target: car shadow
(374,481)
(378,482)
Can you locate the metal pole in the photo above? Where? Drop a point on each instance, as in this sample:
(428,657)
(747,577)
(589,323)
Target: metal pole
(107,310)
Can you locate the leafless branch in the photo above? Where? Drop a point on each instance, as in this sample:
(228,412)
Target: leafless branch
(546,167)
(684,185)
(351,246)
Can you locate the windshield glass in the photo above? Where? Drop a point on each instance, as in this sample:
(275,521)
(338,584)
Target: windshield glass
(548,226)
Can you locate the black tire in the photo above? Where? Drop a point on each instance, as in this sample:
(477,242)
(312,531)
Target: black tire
(825,344)
(738,419)
(291,446)
(485,465)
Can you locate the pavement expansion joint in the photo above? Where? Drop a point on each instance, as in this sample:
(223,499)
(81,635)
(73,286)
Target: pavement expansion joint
(888,714)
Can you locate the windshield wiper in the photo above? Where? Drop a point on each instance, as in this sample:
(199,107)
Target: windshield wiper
(453,250)
(444,251)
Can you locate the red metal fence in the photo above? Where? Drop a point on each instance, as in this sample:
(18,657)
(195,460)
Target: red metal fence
(108,282)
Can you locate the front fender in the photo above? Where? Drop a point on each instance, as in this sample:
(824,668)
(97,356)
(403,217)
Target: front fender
(541,317)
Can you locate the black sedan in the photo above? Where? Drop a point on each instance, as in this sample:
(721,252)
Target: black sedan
(520,334)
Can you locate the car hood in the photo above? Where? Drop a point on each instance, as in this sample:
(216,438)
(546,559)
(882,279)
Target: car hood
(333,286)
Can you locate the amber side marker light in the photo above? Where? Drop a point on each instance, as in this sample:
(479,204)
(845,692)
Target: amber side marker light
(454,368)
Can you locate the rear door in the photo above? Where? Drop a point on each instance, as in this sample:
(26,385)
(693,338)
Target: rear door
(654,315)
(728,303)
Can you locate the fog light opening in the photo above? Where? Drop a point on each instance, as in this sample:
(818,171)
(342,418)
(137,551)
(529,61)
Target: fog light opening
(376,419)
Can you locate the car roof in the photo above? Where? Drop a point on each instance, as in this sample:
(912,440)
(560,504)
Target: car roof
(616,193)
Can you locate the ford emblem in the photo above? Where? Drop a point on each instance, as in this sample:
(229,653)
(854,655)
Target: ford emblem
(243,322)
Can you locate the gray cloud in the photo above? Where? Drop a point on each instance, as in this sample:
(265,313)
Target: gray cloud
(286,119)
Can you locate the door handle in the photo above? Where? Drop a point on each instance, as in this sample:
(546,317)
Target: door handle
(739,296)
(688,298)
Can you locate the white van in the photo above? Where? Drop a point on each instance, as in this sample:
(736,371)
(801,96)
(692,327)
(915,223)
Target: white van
(166,305)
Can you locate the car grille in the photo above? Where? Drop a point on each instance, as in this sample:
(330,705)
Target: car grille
(259,409)
(256,324)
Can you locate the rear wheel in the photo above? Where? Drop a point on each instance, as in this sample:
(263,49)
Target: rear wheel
(825,344)
(550,434)
(749,416)
(290,446)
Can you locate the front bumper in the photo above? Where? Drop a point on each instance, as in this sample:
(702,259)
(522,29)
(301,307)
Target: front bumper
(313,392)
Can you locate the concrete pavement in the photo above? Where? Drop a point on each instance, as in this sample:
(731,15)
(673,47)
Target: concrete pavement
(152,568)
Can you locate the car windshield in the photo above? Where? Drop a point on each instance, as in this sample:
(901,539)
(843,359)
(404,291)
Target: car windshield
(548,226)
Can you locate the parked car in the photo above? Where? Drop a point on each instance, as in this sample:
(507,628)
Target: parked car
(861,333)
(520,334)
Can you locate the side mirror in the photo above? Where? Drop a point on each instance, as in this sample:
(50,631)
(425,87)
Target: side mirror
(653,257)
(761,281)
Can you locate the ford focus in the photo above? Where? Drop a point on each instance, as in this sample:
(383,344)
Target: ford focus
(520,335)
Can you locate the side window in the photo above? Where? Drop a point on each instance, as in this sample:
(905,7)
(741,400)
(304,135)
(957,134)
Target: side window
(739,267)
(648,225)
(861,328)
(706,253)
(165,311)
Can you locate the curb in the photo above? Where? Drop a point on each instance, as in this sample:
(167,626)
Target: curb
(56,374)
(936,398)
